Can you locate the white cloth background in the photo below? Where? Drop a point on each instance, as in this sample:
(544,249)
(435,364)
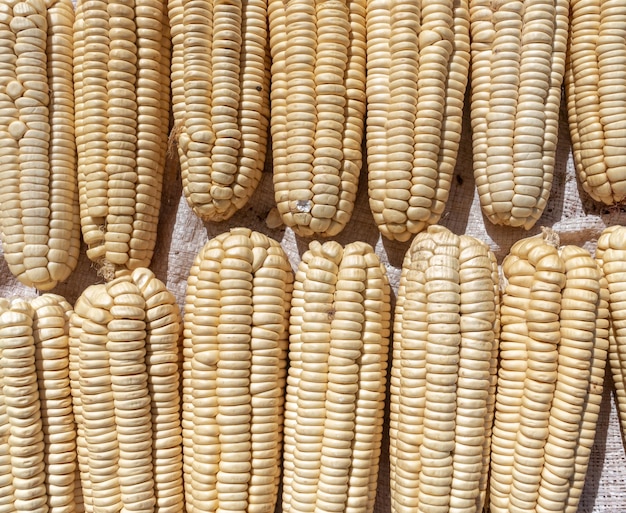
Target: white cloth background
(570,212)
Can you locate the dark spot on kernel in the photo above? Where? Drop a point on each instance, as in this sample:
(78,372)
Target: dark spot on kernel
(259,88)
(331,314)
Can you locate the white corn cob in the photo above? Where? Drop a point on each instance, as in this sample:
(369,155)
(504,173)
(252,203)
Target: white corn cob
(591,407)
(121,76)
(318,110)
(163,325)
(610,255)
(6,477)
(552,352)
(85,501)
(235,344)
(39,194)
(339,338)
(220,92)
(518,65)
(443,374)
(417,72)
(595,89)
(51,323)
(126,379)
(23,439)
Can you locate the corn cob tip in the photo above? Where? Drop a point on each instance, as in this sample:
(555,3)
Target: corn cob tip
(550,236)
(106,270)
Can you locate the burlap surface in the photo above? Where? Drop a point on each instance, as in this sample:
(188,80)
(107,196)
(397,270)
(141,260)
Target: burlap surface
(570,212)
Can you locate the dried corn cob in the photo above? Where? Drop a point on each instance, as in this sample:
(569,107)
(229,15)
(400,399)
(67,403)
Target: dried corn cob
(318,110)
(595,89)
(417,69)
(37,431)
(164,327)
(51,337)
(37,451)
(220,89)
(339,337)
(552,352)
(235,342)
(610,254)
(23,445)
(443,374)
(121,72)
(82,474)
(126,378)
(38,199)
(591,406)
(6,478)
(518,64)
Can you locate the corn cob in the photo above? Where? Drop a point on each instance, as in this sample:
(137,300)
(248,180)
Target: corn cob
(121,75)
(595,90)
(125,374)
(37,448)
(23,444)
(220,91)
(610,253)
(417,69)
(552,352)
(6,478)
(37,431)
(318,110)
(518,65)
(591,406)
(85,501)
(235,343)
(51,337)
(339,337)
(443,374)
(38,200)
